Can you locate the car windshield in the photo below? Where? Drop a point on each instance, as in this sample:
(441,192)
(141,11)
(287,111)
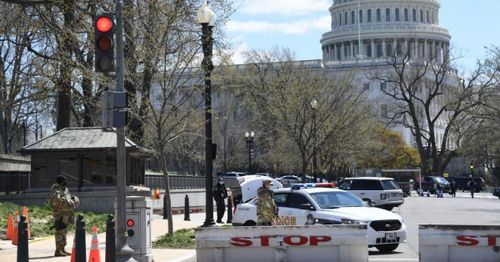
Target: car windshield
(390,184)
(441,180)
(328,200)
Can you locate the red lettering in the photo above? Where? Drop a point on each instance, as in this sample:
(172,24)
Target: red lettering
(467,241)
(264,240)
(241,241)
(289,240)
(317,239)
(492,240)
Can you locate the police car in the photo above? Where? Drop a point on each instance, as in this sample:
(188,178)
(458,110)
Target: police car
(306,205)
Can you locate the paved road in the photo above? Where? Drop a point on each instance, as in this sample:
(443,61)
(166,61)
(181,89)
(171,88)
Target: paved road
(484,209)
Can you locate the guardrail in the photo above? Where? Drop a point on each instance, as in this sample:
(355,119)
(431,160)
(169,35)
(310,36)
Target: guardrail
(282,243)
(184,182)
(459,243)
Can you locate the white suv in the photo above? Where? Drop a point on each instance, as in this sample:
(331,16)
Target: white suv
(383,192)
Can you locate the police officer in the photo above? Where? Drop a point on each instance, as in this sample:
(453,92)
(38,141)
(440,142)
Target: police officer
(62,210)
(266,208)
(220,193)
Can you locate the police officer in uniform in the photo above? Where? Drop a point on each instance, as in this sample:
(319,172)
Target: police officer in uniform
(220,193)
(266,208)
(62,210)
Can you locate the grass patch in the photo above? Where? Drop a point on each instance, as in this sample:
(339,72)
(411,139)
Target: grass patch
(42,222)
(182,239)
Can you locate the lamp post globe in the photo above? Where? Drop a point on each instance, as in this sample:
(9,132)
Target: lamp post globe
(206,18)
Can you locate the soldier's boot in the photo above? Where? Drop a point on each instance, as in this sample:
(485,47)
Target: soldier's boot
(59,253)
(65,252)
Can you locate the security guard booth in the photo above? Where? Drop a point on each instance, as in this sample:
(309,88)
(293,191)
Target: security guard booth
(139,214)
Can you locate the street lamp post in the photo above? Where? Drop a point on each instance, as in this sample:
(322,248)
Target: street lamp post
(249,137)
(314,106)
(206,18)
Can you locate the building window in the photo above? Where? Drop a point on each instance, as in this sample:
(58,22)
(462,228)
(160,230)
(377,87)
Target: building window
(360,16)
(369,50)
(345,18)
(428,18)
(433,20)
(399,51)
(397,15)
(346,50)
(353,17)
(421,16)
(379,50)
(384,110)
(406,15)
(383,86)
(388,50)
(414,13)
(369,18)
(388,15)
(366,86)
(340,19)
(379,15)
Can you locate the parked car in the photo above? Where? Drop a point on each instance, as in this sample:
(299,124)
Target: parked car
(288,180)
(233,174)
(462,183)
(496,192)
(429,184)
(307,206)
(384,192)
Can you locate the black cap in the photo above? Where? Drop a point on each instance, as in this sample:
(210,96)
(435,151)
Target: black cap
(60,179)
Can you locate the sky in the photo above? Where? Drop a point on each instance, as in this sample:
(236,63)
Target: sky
(299,24)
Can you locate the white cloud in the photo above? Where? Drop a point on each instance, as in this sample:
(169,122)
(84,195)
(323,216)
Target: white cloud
(238,54)
(284,7)
(298,27)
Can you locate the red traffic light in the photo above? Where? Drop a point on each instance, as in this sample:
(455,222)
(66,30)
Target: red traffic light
(130,223)
(104,24)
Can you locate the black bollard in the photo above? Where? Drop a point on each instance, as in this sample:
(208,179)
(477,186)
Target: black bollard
(229,210)
(22,244)
(110,240)
(80,247)
(186,208)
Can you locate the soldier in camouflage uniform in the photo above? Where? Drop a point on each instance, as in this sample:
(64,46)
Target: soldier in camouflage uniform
(62,210)
(266,208)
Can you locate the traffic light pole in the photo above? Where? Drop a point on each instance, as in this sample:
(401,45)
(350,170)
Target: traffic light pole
(123,251)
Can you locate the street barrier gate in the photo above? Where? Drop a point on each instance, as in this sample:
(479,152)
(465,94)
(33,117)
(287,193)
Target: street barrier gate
(282,243)
(459,243)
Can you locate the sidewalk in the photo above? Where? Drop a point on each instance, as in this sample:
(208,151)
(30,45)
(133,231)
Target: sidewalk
(43,249)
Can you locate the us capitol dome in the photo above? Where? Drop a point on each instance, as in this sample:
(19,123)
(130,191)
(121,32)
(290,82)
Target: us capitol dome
(366,30)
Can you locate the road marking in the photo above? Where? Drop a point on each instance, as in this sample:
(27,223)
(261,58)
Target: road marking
(393,259)
(181,259)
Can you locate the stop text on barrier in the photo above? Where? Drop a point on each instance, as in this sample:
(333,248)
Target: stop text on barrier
(488,240)
(265,241)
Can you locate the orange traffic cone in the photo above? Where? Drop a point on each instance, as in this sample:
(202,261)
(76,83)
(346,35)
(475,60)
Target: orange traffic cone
(15,231)
(10,228)
(25,214)
(73,251)
(94,255)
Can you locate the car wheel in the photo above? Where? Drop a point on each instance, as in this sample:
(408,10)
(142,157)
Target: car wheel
(250,223)
(387,248)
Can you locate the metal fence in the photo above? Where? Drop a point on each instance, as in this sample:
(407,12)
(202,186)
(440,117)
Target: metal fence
(14,182)
(184,182)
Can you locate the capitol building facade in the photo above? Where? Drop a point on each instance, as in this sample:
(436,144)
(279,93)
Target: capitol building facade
(366,34)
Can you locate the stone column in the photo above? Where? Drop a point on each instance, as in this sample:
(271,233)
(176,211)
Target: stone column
(342,54)
(394,46)
(334,55)
(405,48)
(372,47)
(433,52)
(384,48)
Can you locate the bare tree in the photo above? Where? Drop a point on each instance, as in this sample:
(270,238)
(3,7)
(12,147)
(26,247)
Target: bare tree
(281,93)
(430,97)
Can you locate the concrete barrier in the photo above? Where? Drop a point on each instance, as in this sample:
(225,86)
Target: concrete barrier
(282,243)
(459,243)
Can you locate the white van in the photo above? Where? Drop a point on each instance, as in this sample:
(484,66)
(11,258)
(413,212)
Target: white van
(383,192)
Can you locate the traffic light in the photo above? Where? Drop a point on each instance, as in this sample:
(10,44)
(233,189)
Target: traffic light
(104,43)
